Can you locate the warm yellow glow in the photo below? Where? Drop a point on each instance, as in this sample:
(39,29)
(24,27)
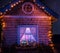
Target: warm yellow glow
(51,45)
(3,24)
(1,16)
(50,18)
(49,35)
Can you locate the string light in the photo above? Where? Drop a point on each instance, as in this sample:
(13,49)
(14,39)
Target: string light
(50,18)
(3,25)
(6,9)
(17,3)
(51,45)
(50,39)
(49,32)
(1,16)
(43,7)
(12,6)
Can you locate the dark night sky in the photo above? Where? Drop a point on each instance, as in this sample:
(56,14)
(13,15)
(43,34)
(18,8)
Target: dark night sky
(55,6)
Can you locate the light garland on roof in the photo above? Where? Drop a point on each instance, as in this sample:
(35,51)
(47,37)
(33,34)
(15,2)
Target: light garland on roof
(16,3)
(5,4)
(42,7)
(11,6)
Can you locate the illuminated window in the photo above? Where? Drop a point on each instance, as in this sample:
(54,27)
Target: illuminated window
(27,34)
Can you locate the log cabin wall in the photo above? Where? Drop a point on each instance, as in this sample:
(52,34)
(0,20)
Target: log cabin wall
(12,21)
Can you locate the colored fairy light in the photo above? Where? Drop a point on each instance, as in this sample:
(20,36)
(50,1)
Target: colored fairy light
(6,9)
(49,31)
(17,3)
(12,6)
(43,7)
(51,45)
(50,35)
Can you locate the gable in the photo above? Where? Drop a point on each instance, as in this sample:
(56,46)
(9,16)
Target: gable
(21,10)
